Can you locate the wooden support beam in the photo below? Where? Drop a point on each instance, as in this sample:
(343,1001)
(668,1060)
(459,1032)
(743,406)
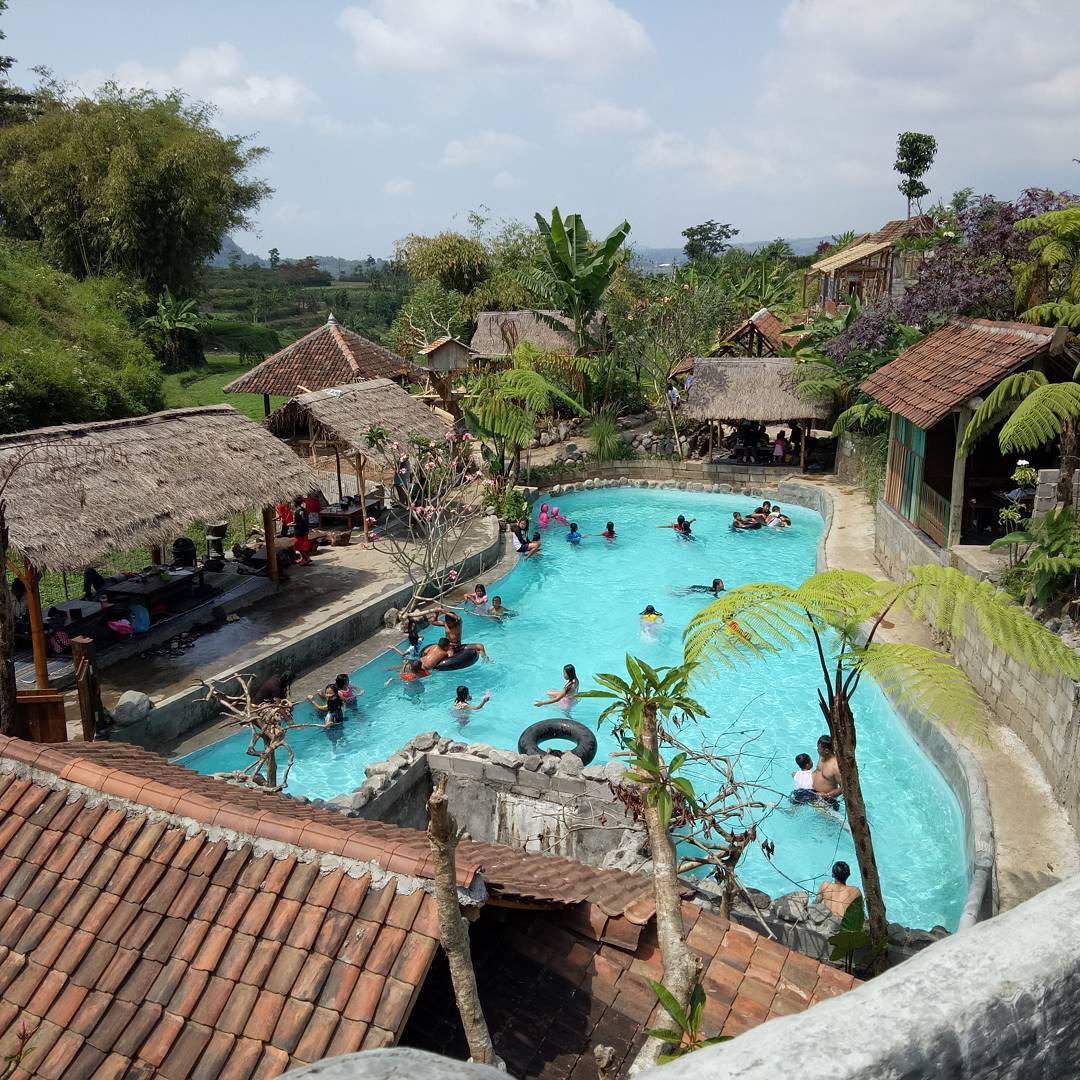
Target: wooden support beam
(337,463)
(363,494)
(959,472)
(802,444)
(266,404)
(270,534)
(30,578)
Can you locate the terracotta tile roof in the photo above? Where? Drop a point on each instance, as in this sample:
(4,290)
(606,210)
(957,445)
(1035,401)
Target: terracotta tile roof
(550,992)
(961,359)
(137,944)
(329,356)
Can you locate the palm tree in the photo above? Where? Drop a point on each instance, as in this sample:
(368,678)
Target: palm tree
(639,705)
(503,408)
(831,610)
(575,273)
(172,319)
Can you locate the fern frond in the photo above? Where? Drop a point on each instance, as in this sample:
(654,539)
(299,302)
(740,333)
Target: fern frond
(1002,400)
(861,416)
(844,598)
(1041,417)
(1055,313)
(948,599)
(928,681)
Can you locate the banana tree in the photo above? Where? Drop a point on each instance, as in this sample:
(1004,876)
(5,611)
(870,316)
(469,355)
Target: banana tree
(575,272)
(173,320)
(839,613)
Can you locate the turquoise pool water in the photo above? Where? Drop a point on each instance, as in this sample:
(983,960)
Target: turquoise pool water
(581,605)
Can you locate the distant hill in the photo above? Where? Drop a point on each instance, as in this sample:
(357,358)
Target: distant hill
(334,264)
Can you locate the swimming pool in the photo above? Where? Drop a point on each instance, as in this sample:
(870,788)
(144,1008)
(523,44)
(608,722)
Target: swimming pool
(581,605)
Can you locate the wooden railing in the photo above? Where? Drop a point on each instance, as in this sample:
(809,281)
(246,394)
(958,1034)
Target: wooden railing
(933,515)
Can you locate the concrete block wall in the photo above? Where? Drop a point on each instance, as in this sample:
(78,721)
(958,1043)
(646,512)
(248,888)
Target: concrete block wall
(1042,708)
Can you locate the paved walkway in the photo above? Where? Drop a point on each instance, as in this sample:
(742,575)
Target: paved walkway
(1036,844)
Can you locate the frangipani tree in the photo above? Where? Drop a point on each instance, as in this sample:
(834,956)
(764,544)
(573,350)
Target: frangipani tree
(839,613)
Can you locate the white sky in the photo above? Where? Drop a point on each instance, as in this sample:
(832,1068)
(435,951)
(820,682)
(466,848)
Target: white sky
(391,116)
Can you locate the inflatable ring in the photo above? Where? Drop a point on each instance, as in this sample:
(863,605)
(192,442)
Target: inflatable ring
(463,658)
(583,739)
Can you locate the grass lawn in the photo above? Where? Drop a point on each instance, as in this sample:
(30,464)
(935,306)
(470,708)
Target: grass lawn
(204,387)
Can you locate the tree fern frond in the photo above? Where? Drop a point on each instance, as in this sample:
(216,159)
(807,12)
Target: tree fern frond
(1040,417)
(1002,400)
(1056,312)
(948,598)
(928,681)
(866,414)
(844,597)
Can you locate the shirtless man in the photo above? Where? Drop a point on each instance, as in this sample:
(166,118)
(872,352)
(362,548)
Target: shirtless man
(827,773)
(837,894)
(435,654)
(452,624)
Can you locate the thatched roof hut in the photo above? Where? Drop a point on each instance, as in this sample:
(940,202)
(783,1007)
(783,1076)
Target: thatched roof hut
(343,414)
(758,388)
(498,333)
(329,356)
(78,491)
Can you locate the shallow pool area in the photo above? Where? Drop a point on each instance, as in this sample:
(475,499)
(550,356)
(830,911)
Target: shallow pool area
(581,605)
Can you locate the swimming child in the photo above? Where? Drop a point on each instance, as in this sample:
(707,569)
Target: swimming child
(463,703)
(346,691)
(803,779)
(412,670)
(739,522)
(561,519)
(544,516)
(478,597)
(573,536)
(565,697)
(609,531)
(651,621)
(777,520)
(334,707)
(681,526)
(497,611)
(716,588)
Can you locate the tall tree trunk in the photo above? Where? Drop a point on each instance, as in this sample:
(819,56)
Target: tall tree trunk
(7,639)
(842,728)
(1070,460)
(679,964)
(452,928)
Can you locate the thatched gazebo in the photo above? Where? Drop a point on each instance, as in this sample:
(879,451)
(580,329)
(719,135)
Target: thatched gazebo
(329,356)
(341,416)
(75,492)
(498,333)
(758,388)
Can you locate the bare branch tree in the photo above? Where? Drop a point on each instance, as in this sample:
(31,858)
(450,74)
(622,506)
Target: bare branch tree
(453,931)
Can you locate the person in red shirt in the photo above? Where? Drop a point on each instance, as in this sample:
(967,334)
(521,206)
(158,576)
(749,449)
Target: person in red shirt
(284,514)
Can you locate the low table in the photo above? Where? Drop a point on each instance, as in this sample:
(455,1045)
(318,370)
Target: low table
(153,586)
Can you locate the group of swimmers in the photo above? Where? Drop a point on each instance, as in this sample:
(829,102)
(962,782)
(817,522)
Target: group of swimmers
(765,516)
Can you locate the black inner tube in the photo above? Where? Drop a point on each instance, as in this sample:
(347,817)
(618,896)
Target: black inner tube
(583,739)
(463,658)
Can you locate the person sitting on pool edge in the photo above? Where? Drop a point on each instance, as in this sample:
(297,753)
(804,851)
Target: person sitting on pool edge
(574,535)
(534,546)
(451,622)
(837,895)
(564,698)
(716,588)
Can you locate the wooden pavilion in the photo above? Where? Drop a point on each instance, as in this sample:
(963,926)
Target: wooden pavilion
(341,416)
(931,390)
(75,492)
(760,335)
(872,267)
(330,355)
(761,389)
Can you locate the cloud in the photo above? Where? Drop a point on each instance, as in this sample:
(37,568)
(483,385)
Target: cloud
(716,158)
(605,118)
(483,148)
(398,188)
(218,74)
(504,181)
(584,38)
(292,213)
(325,124)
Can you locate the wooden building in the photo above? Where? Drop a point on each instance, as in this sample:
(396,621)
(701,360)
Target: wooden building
(760,335)
(931,390)
(874,266)
(443,360)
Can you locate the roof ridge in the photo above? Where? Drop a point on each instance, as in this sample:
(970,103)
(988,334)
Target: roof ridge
(1033,331)
(343,344)
(146,420)
(186,803)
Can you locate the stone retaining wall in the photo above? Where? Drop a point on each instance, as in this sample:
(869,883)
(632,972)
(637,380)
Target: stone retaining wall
(1042,708)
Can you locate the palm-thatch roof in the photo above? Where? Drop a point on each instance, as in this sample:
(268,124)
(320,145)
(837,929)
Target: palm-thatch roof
(757,388)
(329,356)
(344,414)
(78,491)
(498,333)
(871,243)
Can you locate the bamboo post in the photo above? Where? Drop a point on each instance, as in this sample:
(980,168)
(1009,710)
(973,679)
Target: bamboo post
(363,494)
(269,532)
(337,464)
(802,445)
(955,523)
(37,626)
(266,404)
(157,555)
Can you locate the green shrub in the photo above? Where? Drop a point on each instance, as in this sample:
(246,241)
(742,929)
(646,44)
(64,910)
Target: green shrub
(605,439)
